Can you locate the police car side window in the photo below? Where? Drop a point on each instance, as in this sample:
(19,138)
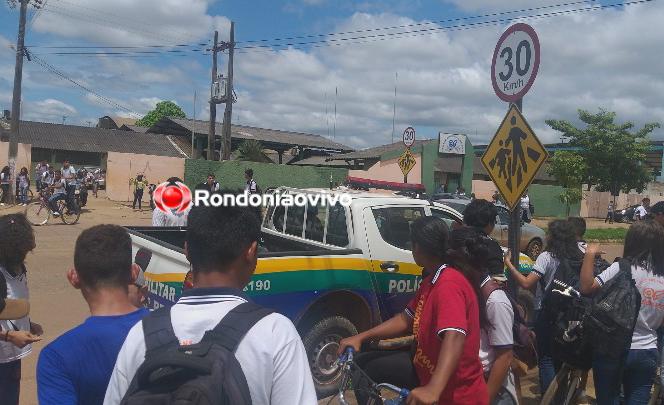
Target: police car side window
(394,224)
(503,216)
(337,231)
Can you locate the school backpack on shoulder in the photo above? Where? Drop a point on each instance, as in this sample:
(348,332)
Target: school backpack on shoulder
(613,313)
(206,373)
(525,344)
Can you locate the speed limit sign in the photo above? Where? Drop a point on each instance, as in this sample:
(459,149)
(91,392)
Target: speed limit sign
(409,137)
(515,62)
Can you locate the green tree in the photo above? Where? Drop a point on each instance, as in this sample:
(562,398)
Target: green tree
(161,110)
(614,154)
(252,151)
(569,169)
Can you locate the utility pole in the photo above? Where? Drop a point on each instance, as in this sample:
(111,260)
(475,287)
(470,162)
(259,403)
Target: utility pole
(213,104)
(228,113)
(16,100)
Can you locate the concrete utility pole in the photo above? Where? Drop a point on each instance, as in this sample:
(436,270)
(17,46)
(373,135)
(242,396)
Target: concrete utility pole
(16,100)
(225,152)
(213,104)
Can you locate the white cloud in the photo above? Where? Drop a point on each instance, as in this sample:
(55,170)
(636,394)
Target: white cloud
(123,22)
(50,110)
(605,59)
(493,5)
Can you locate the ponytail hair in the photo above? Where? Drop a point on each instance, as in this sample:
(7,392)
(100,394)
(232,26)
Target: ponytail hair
(430,234)
(468,253)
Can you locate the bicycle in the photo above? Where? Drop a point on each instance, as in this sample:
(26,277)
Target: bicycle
(569,383)
(38,213)
(375,390)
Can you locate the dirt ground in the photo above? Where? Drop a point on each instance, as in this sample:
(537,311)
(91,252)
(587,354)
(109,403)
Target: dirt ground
(59,307)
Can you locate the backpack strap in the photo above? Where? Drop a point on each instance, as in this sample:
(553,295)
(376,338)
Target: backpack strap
(235,325)
(490,286)
(158,331)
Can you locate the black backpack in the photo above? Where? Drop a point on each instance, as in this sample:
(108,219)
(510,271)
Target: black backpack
(206,373)
(570,343)
(613,313)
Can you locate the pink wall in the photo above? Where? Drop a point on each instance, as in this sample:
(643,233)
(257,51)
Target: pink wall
(22,158)
(389,170)
(123,166)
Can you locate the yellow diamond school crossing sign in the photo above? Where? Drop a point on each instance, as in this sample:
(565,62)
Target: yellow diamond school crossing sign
(514,156)
(406,162)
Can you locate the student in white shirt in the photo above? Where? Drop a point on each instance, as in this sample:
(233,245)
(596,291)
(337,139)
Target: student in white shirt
(642,210)
(496,343)
(644,248)
(525,208)
(221,246)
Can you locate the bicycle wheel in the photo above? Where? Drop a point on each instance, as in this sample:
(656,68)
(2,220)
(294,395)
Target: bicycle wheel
(68,216)
(37,213)
(565,389)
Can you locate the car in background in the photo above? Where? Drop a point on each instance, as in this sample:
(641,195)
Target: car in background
(532,237)
(102,176)
(625,215)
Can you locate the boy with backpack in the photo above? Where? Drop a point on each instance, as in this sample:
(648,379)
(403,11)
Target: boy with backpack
(214,339)
(75,368)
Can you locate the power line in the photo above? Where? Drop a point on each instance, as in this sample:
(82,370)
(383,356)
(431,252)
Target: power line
(92,10)
(416,24)
(98,20)
(116,47)
(41,62)
(425,32)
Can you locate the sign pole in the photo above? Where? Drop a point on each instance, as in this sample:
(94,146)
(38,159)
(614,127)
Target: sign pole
(514,230)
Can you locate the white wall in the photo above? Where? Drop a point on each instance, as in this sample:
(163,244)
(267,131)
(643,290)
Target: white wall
(123,166)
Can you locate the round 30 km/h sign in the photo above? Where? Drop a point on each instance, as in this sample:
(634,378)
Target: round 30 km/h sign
(409,137)
(515,62)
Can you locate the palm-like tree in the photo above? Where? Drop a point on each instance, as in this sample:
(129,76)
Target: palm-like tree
(252,151)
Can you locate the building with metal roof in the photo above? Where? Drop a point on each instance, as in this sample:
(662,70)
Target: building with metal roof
(271,139)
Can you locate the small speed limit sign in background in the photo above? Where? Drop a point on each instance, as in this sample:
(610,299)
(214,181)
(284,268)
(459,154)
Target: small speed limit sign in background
(515,62)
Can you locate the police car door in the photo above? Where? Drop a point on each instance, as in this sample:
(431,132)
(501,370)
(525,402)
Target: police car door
(396,275)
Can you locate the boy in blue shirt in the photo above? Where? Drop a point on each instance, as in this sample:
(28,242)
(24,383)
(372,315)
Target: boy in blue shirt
(76,367)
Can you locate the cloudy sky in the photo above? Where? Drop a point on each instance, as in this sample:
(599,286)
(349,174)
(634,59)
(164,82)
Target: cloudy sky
(437,52)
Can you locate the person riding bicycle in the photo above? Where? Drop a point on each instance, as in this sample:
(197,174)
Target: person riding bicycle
(644,248)
(59,192)
(444,317)
(561,244)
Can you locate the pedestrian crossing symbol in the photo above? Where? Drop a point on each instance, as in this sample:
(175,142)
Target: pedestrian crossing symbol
(514,156)
(406,161)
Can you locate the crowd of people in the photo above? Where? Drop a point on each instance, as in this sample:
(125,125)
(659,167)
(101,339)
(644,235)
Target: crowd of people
(462,316)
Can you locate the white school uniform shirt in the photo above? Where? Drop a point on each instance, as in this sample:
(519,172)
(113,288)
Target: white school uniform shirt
(271,354)
(498,334)
(641,212)
(160,218)
(651,314)
(17,287)
(545,267)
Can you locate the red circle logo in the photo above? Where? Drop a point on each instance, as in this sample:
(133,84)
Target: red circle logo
(172,197)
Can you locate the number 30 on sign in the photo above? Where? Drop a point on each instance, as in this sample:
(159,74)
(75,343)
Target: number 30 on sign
(515,62)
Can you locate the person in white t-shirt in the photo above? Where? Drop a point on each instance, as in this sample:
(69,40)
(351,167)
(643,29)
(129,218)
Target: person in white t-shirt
(525,208)
(644,248)
(496,343)
(221,246)
(17,335)
(642,210)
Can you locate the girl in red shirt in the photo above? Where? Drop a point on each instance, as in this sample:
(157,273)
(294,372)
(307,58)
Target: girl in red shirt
(444,316)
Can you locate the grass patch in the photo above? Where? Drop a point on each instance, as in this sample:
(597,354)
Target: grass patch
(605,234)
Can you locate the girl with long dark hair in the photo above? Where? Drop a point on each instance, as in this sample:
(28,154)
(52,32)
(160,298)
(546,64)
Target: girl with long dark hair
(561,244)
(444,317)
(644,249)
(16,336)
